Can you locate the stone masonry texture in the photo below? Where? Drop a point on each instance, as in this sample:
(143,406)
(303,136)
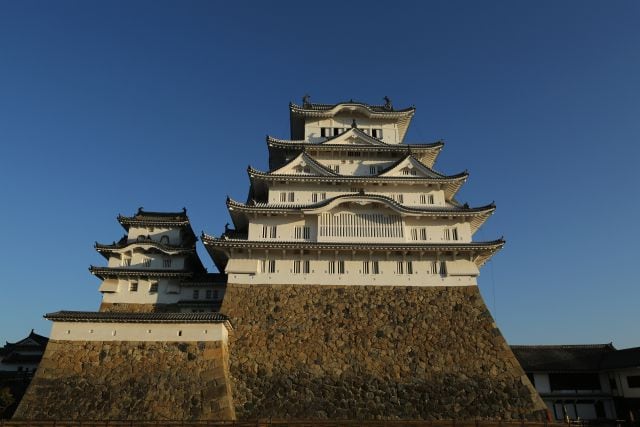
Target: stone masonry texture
(96,380)
(371,352)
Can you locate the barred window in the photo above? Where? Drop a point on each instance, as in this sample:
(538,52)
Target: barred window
(166,263)
(153,288)
(365,267)
(375,267)
(133,287)
(196,293)
(208,294)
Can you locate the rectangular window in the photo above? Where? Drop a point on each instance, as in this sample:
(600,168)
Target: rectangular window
(271,266)
(335,168)
(454,233)
(323,132)
(133,287)
(443,268)
(301,232)
(208,294)
(126,262)
(423,233)
(434,267)
(633,381)
(405,171)
(166,263)
(332,267)
(283,196)
(146,262)
(430,199)
(414,234)
(373,170)
(336,131)
(296,266)
(269,231)
(409,267)
(196,293)
(365,267)
(375,267)
(314,197)
(340,267)
(291,196)
(376,133)
(446,234)
(153,288)
(306,266)
(399,267)
(398,198)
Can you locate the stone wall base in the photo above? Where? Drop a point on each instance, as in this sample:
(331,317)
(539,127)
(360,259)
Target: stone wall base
(354,352)
(100,380)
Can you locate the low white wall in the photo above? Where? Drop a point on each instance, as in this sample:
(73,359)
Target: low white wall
(94,331)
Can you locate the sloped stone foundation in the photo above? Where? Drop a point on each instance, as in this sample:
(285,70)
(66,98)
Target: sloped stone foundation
(314,352)
(99,380)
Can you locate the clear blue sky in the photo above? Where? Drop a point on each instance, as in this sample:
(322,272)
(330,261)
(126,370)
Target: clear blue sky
(108,106)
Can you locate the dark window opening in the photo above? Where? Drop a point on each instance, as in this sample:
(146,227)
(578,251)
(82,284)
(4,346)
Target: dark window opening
(586,381)
(633,381)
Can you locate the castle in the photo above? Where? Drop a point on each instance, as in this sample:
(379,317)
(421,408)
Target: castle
(349,292)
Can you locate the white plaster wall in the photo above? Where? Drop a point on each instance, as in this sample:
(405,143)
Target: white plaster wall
(303,193)
(94,331)
(623,385)
(168,292)
(155,233)
(138,255)
(285,229)
(542,383)
(354,274)
(390,133)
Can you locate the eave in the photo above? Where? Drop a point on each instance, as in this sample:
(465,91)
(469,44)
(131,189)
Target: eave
(105,272)
(318,111)
(479,252)
(121,317)
(426,152)
(106,250)
(476,216)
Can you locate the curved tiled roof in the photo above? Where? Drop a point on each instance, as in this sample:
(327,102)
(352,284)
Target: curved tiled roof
(101,247)
(122,317)
(561,358)
(382,145)
(147,218)
(313,107)
(103,272)
(387,200)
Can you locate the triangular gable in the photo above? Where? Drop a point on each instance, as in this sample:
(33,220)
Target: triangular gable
(410,167)
(303,165)
(27,342)
(353,137)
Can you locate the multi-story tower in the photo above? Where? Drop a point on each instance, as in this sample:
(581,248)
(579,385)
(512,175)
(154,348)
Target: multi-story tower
(352,280)
(156,349)
(347,202)
(155,267)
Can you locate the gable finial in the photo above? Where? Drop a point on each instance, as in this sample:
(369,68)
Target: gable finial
(354,125)
(140,210)
(306,100)
(387,103)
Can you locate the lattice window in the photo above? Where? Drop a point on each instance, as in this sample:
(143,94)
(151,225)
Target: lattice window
(371,225)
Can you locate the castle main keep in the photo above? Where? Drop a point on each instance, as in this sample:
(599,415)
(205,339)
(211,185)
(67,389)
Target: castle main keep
(348,292)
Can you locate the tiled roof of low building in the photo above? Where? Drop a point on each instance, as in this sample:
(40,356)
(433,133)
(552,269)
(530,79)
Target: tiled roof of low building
(117,317)
(623,358)
(562,358)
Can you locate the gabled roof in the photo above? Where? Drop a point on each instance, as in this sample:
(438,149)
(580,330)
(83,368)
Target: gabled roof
(301,161)
(354,137)
(561,358)
(29,341)
(412,163)
(277,147)
(155,219)
(107,249)
(477,216)
(298,113)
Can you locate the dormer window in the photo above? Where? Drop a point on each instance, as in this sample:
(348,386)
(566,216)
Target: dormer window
(376,133)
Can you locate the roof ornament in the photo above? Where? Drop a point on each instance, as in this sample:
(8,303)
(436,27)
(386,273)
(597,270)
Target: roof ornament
(354,125)
(306,101)
(387,104)
(140,210)
(466,205)
(226,228)
(184,210)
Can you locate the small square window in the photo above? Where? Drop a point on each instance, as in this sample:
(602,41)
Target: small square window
(153,288)
(133,287)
